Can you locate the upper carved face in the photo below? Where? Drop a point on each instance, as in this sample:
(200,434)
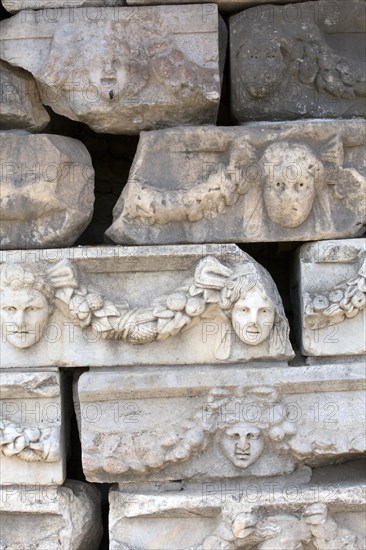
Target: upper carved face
(253,317)
(289,183)
(24,314)
(242,444)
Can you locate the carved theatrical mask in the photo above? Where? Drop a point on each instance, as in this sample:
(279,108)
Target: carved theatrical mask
(253,317)
(24,314)
(242,444)
(289,182)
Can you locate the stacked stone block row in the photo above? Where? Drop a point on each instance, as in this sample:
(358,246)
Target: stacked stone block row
(194,404)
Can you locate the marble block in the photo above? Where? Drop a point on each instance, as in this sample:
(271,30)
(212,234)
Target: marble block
(32,426)
(13,6)
(329,287)
(20,104)
(46,190)
(302,60)
(216,516)
(224,5)
(50,518)
(122,70)
(285,181)
(207,423)
(110,306)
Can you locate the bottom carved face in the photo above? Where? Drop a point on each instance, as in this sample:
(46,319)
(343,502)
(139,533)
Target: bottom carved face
(24,313)
(242,444)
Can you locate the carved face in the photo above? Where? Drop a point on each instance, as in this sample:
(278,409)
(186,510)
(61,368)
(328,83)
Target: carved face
(24,313)
(253,317)
(289,186)
(242,444)
(264,63)
(109,76)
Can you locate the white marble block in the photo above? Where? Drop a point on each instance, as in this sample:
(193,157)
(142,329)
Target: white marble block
(327,516)
(32,428)
(46,190)
(124,69)
(283,181)
(111,306)
(50,518)
(330,297)
(217,422)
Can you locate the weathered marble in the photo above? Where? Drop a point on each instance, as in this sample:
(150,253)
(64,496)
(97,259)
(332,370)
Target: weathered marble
(285,181)
(20,104)
(225,422)
(121,71)
(304,60)
(32,428)
(184,305)
(224,5)
(330,297)
(51,517)
(228,517)
(46,190)
(13,6)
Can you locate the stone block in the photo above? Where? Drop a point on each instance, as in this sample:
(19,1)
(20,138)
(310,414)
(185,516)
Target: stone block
(318,515)
(47,190)
(285,181)
(122,70)
(205,424)
(50,518)
(32,428)
(20,104)
(224,5)
(330,297)
(302,60)
(110,306)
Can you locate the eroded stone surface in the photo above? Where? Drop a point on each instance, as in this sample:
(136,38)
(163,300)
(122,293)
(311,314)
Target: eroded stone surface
(217,516)
(122,71)
(283,181)
(20,104)
(50,518)
(13,6)
(303,60)
(331,297)
(184,305)
(47,190)
(32,426)
(207,424)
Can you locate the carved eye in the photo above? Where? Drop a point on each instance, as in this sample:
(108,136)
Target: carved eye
(10,309)
(301,184)
(278,185)
(253,435)
(32,308)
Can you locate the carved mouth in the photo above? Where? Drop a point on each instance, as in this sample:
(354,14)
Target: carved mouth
(108,82)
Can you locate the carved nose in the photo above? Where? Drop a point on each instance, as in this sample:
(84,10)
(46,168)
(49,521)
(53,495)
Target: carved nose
(242,444)
(108,68)
(18,317)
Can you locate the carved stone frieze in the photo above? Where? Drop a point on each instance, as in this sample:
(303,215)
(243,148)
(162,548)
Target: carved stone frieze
(32,428)
(46,190)
(331,292)
(122,69)
(321,516)
(170,427)
(197,307)
(20,104)
(262,182)
(302,60)
(50,518)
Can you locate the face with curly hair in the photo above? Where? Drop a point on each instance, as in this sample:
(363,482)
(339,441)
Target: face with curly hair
(25,307)
(253,317)
(242,444)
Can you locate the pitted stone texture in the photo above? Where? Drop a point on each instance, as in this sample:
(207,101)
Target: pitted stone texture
(330,293)
(304,60)
(285,181)
(204,424)
(234,516)
(125,70)
(13,6)
(32,428)
(20,104)
(110,306)
(47,190)
(50,518)
(224,5)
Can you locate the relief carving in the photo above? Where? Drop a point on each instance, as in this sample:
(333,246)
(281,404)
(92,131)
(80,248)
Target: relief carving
(338,304)
(30,444)
(314,527)
(243,297)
